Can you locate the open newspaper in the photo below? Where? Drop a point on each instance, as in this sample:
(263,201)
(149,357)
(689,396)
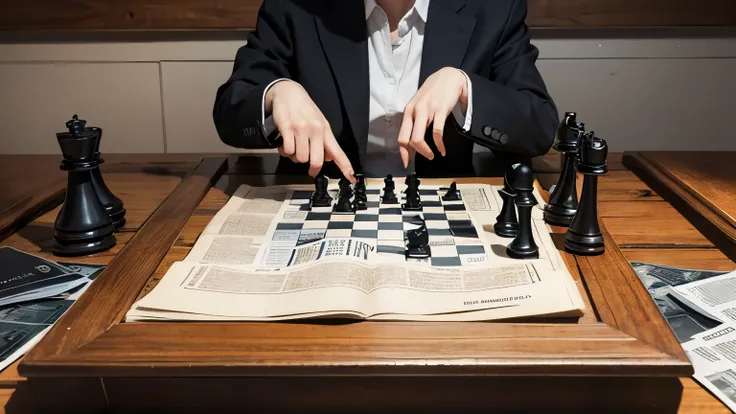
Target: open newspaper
(267,255)
(701,309)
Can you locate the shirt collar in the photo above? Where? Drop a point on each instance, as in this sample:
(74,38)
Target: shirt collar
(420,6)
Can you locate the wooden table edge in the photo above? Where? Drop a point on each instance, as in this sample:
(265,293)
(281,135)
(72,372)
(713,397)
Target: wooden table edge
(92,319)
(700,212)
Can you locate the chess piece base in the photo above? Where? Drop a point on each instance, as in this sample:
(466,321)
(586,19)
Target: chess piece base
(558,216)
(507,230)
(389,200)
(407,207)
(118,220)
(68,244)
(522,254)
(584,245)
(421,252)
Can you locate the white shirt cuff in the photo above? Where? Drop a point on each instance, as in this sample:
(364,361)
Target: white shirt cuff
(466,120)
(268,123)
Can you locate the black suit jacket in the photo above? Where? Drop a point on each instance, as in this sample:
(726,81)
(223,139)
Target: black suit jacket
(322,44)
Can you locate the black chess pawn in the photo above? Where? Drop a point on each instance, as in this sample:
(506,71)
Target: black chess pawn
(507,225)
(452,193)
(113,205)
(523,245)
(389,187)
(584,236)
(563,202)
(320,197)
(344,205)
(83,226)
(361,199)
(413,200)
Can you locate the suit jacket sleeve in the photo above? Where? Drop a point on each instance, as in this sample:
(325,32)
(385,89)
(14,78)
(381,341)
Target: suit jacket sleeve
(513,113)
(237,113)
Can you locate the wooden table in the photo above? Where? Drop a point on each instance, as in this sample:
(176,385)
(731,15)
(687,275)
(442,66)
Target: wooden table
(170,201)
(700,185)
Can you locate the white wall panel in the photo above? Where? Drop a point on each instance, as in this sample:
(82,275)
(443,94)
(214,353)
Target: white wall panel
(189,94)
(649,104)
(124,99)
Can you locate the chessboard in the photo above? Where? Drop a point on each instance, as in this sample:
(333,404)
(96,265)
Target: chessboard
(454,238)
(457,223)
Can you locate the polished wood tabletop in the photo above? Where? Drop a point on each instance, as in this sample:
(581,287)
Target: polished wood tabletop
(626,205)
(700,185)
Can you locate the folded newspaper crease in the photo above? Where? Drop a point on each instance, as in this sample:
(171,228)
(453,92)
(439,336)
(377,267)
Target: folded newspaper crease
(259,260)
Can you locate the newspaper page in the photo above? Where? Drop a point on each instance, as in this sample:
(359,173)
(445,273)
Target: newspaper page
(339,286)
(716,296)
(713,355)
(684,318)
(260,259)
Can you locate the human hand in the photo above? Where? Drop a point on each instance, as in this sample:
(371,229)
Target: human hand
(307,136)
(433,102)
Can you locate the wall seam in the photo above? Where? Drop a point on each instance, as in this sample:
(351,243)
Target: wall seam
(163,106)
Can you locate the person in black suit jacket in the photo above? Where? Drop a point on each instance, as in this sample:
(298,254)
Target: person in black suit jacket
(303,83)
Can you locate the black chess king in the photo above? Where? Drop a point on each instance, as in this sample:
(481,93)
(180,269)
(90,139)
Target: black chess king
(84,225)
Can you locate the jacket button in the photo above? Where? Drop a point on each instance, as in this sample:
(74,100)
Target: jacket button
(487,131)
(503,138)
(496,134)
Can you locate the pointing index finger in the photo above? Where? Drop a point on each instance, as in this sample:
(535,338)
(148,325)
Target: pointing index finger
(332,148)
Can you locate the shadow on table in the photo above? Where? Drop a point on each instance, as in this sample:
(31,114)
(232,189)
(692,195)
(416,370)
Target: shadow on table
(40,235)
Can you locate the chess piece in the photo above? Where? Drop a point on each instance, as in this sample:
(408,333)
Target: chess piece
(361,199)
(507,225)
(584,236)
(389,196)
(321,198)
(523,245)
(413,201)
(563,202)
(418,243)
(112,204)
(343,204)
(83,226)
(452,193)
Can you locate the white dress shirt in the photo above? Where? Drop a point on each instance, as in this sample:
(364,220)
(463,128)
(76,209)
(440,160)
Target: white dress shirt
(394,68)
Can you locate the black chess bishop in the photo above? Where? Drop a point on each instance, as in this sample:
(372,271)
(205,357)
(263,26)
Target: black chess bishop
(584,236)
(523,245)
(507,224)
(563,202)
(83,226)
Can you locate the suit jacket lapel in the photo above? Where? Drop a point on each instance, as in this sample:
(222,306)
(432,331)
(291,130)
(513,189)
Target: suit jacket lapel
(446,37)
(342,32)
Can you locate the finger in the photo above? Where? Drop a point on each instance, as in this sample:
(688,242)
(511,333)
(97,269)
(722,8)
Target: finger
(288,145)
(440,117)
(417,137)
(316,155)
(336,154)
(302,146)
(404,138)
